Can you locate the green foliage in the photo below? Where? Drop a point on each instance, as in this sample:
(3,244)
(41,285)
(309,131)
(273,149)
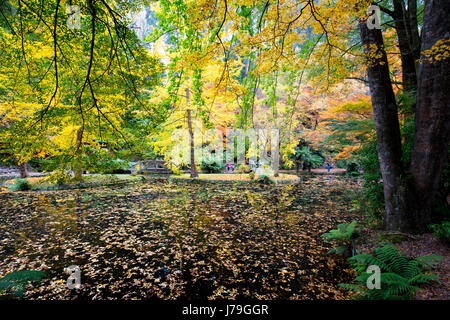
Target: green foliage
(352,168)
(351,165)
(343,235)
(265,179)
(20,185)
(59,176)
(243,168)
(176,170)
(309,158)
(401,277)
(343,163)
(372,196)
(211,165)
(251,175)
(343,232)
(16,281)
(441,231)
(103,161)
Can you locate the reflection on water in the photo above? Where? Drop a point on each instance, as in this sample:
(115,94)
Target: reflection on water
(172,240)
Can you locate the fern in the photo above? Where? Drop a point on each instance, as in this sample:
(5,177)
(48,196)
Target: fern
(400,277)
(16,281)
(343,232)
(343,235)
(441,231)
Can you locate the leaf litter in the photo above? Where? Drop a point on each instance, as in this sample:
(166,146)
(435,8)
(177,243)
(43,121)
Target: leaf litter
(173,240)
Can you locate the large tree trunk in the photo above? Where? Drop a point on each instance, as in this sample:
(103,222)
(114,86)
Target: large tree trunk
(387,128)
(432,134)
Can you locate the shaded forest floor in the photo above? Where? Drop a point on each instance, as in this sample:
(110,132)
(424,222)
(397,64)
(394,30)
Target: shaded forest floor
(179,240)
(165,239)
(428,244)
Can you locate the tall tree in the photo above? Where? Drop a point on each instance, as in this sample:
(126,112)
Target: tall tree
(408,204)
(432,129)
(385,111)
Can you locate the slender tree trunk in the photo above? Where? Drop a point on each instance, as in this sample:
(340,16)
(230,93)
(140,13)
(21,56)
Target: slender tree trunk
(23,170)
(194,173)
(404,36)
(432,129)
(387,128)
(275,151)
(414,35)
(78,168)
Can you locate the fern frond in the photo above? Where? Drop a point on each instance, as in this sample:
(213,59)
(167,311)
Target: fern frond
(428,261)
(423,278)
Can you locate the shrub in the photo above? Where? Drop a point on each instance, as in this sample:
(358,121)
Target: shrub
(310,158)
(118,166)
(243,168)
(342,163)
(352,168)
(441,231)
(262,178)
(251,175)
(400,277)
(211,165)
(176,170)
(20,185)
(60,177)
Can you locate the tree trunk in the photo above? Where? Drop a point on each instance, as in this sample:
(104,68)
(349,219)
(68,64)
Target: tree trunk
(432,133)
(194,173)
(414,35)
(387,127)
(23,170)
(275,151)
(403,28)
(78,168)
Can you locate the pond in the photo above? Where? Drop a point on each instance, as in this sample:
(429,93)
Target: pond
(169,240)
